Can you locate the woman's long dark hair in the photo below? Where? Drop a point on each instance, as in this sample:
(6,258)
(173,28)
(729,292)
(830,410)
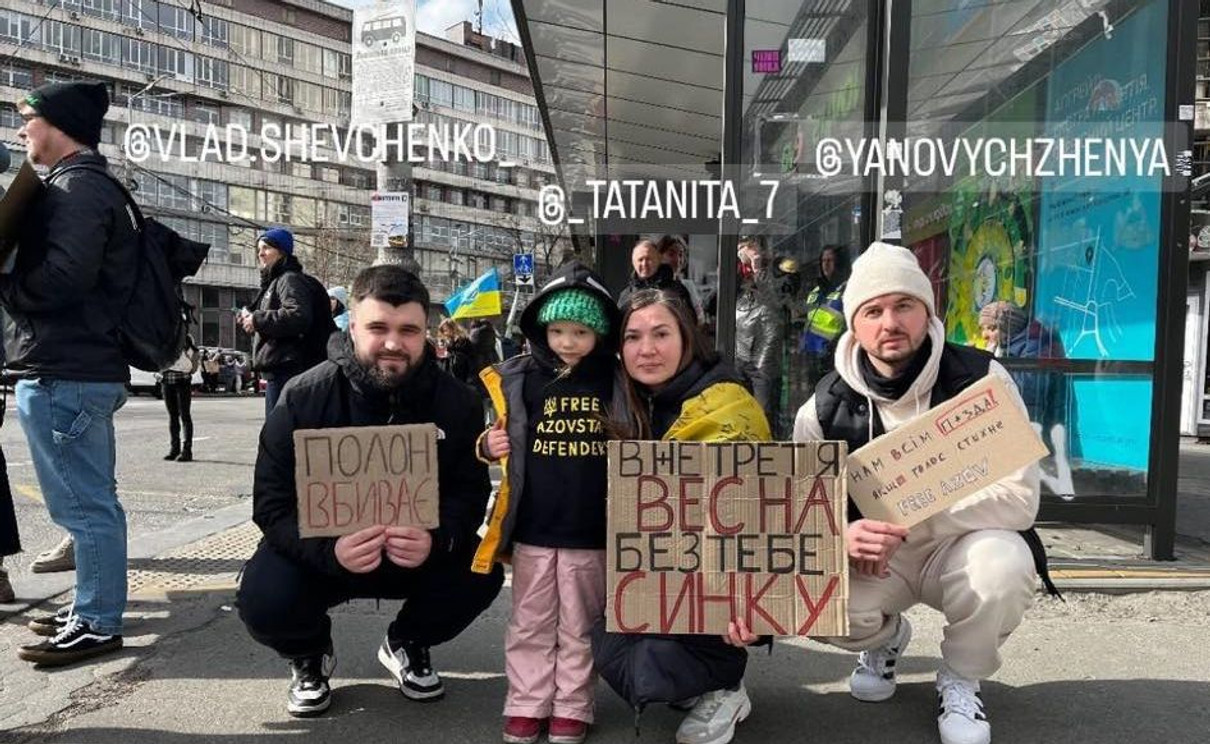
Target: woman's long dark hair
(696,348)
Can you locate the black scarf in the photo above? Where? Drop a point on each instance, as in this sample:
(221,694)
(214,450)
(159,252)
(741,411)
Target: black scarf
(894,388)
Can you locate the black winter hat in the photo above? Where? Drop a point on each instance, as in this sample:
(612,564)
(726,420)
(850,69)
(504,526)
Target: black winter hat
(76,109)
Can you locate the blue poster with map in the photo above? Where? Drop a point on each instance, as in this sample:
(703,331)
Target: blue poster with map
(1098,238)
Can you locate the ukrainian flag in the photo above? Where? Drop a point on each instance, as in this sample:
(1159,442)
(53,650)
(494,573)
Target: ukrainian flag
(478,299)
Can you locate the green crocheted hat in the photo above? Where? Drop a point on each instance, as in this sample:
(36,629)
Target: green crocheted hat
(575,305)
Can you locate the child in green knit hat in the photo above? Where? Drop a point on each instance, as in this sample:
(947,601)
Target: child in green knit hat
(574,321)
(549,515)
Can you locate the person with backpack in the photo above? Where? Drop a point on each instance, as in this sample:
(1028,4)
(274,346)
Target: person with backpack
(292,318)
(75,267)
(177,385)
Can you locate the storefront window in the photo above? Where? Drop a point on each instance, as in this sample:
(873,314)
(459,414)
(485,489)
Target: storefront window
(804,79)
(1068,263)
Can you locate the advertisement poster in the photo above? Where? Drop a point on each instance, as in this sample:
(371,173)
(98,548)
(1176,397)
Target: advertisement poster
(389,214)
(1098,253)
(1099,249)
(991,231)
(384,62)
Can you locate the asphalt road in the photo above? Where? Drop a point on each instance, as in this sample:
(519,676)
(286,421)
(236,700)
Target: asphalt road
(155,494)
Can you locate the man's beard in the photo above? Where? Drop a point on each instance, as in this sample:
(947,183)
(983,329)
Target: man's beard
(385,380)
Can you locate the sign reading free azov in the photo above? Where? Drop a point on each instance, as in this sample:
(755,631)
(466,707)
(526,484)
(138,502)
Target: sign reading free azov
(944,455)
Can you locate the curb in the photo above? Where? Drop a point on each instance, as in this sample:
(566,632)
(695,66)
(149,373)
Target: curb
(35,589)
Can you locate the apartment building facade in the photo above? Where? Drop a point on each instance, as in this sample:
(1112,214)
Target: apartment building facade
(224,73)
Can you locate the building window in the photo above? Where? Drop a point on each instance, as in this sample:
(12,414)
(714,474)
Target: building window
(9,117)
(285,50)
(138,55)
(212,193)
(61,37)
(239,117)
(455,196)
(19,28)
(216,32)
(308,58)
(441,93)
(110,10)
(464,98)
(245,41)
(212,73)
(176,21)
(247,81)
(102,47)
(175,62)
(205,113)
(139,13)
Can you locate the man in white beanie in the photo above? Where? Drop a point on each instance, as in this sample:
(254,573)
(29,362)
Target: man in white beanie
(971,562)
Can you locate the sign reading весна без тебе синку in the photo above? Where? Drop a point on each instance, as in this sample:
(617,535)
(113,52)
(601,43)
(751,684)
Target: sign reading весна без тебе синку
(702,533)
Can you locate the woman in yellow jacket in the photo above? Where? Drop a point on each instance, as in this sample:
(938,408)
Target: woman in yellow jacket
(678,389)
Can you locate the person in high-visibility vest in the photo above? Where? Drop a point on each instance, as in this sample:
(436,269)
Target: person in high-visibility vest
(824,321)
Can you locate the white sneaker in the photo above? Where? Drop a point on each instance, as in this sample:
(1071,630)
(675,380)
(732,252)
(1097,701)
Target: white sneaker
(713,719)
(62,557)
(960,716)
(874,678)
(410,665)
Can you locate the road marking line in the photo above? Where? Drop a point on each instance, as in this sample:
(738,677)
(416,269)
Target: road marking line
(30,492)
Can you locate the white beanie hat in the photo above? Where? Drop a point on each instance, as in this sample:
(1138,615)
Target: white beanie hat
(885,269)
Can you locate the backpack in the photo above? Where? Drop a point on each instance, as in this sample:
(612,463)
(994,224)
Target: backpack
(315,341)
(155,317)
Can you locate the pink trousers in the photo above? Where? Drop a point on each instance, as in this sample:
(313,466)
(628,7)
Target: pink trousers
(558,593)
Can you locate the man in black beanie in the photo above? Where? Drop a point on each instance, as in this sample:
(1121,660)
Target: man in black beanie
(73,275)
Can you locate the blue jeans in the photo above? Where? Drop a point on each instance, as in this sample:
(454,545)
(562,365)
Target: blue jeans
(69,427)
(273,392)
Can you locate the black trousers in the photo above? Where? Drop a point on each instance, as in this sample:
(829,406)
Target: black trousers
(178,397)
(10,538)
(284,604)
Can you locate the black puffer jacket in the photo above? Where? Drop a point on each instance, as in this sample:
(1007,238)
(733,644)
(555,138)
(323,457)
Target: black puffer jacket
(73,274)
(663,278)
(283,318)
(335,394)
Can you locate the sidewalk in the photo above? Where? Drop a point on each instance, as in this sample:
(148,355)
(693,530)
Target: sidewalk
(1101,669)
(190,674)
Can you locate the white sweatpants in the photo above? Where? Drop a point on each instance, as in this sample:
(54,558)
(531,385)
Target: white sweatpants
(982,582)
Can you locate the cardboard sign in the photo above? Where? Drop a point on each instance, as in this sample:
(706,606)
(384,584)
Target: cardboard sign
(944,455)
(701,533)
(352,478)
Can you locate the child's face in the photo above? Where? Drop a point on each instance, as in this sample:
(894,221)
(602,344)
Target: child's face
(570,340)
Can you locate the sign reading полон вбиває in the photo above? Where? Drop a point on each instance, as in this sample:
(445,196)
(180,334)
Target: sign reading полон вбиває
(703,533)
(356,477)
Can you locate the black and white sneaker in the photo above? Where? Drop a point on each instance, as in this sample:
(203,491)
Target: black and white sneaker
(51,625)
(411,667)
(310,694)
(77,641)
